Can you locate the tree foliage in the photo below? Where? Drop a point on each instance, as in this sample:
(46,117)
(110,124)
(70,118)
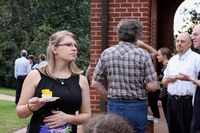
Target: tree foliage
(28,24)
(190,17)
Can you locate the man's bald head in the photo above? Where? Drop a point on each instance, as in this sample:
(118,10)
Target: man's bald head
(183,43)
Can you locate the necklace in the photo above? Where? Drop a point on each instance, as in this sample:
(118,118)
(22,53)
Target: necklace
(62,81)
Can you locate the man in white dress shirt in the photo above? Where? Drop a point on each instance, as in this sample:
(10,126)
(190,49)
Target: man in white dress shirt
(195,124)
(22,68)
(179,107)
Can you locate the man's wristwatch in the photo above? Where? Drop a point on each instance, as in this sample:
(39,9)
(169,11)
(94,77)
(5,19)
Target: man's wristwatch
(193,80)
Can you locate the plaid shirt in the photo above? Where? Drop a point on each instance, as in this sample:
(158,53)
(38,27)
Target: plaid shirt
(127,69)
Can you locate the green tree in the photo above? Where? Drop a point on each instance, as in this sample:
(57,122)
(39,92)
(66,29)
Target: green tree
(191,17)
(28,24)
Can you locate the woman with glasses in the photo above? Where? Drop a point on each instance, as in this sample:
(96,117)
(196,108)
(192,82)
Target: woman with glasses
(61,77)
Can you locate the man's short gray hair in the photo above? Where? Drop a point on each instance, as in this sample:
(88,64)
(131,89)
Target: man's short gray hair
(129,30)
(24,53)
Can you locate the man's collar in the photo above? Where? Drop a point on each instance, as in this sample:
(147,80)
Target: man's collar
(185,54)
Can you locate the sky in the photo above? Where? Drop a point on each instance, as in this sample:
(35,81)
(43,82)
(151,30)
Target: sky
(177,18)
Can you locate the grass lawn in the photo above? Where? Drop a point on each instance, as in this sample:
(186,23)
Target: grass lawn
(7,91)
(9,122)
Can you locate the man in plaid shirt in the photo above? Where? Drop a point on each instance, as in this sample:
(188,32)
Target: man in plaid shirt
(130,74)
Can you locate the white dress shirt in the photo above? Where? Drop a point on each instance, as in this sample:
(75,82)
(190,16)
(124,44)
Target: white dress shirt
(188,63)
(22,67)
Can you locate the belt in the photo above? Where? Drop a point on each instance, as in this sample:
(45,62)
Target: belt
(181,97)
(121,99)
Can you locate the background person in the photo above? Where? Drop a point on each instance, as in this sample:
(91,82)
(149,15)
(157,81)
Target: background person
(22,68)
(42,59)
(195,124)
(179,106)
(33,64)
(64,79)
(107,123)
(159,97)
(130,72)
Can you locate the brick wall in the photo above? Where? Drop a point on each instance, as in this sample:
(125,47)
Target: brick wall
(95,47)
(165,23)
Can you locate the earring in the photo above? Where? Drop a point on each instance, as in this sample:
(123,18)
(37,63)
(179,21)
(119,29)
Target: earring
(54,57)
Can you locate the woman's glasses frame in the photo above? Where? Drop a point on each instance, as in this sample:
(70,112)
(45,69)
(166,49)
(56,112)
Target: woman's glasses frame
(69,45)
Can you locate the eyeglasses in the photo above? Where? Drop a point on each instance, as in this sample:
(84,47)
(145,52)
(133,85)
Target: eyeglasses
(69,45)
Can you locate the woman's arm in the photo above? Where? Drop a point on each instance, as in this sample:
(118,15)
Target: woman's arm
(99,87)
(27,103)
(147,47)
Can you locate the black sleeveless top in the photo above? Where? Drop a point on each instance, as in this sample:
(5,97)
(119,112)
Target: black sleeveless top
(69,102)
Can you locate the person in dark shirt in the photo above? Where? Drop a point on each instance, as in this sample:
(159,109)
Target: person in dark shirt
(160,95)
(69,89)
(33,64)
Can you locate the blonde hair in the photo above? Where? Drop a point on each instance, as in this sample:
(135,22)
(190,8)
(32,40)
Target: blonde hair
(53,41)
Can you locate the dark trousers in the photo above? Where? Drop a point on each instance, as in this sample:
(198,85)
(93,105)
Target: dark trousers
(153,99)
(19,83)
(164,104)
(195,124)
(179,114)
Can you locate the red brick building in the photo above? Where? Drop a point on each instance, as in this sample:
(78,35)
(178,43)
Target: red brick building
(156,16)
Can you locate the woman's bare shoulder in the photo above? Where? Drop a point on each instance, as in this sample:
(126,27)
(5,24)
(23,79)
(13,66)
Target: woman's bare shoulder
(83,81)
(34,74)
(83,78)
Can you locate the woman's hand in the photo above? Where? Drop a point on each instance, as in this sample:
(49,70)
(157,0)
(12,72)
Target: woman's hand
(34,104)
(140,43)
(57,119)
(159,103)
